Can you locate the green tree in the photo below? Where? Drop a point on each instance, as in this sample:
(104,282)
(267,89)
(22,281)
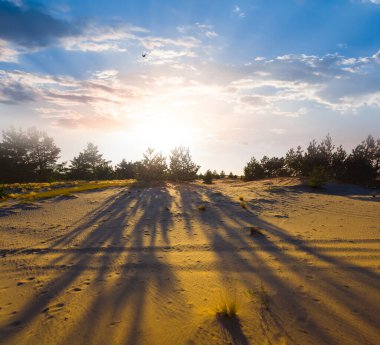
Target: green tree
(43,153)
(153,166)
(253,170)
(126,170)
(207,177)
(273,167)
(294,161)
(90,164)
(27,156)
(361,166)
(181,165)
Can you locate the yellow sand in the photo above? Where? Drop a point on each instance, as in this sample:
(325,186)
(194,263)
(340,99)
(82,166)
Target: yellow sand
(148,266)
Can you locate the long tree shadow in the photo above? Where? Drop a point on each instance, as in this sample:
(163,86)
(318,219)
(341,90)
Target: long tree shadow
(121,277)
(119,251)
(225,226)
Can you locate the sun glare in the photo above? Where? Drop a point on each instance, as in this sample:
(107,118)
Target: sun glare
(164,135)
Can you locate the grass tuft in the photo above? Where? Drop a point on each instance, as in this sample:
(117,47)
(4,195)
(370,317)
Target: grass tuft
(243,205)
(228,305)
(227,310)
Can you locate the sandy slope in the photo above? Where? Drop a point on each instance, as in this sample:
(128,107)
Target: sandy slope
(147,267)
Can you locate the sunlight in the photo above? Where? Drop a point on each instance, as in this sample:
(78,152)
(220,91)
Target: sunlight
(164,134)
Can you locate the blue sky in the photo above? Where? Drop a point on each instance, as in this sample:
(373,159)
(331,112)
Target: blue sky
(229,79)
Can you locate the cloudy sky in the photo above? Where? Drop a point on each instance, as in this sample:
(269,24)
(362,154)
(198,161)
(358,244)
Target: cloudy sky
(229,79)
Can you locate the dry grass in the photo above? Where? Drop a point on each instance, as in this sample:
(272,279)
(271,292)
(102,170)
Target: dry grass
(45,192)
(228,304)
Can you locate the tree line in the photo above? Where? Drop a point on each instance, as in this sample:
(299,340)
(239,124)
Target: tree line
(31,155)
(321,162)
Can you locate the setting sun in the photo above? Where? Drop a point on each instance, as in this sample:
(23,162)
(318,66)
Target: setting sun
(164,135)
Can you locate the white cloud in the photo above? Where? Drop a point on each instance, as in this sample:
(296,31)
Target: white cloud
(100,92)
(211,34)
(152,42)
(99,38)
(198,30)
(238,12)
(7,52)
(377,2)
(179,81)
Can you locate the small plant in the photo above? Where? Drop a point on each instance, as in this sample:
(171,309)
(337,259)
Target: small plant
(243,205)
(241,198)
(227,309)
(317,177)
(228,306)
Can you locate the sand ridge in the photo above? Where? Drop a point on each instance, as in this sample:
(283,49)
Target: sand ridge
(148,266)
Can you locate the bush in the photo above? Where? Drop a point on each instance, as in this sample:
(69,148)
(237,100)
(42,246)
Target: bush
(207,178)
(317,177)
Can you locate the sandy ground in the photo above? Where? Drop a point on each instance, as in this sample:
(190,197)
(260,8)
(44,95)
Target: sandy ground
(147,266)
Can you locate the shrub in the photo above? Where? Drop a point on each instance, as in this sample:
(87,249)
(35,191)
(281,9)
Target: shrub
(207,177)
(317,177)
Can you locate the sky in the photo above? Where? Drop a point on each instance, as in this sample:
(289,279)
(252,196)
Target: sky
(228,79)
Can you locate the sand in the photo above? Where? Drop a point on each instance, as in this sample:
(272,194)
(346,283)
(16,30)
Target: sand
(149,266)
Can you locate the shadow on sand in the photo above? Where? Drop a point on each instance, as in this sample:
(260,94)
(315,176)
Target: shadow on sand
(124,267)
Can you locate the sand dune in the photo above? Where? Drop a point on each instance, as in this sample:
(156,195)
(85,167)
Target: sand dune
(148,266)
